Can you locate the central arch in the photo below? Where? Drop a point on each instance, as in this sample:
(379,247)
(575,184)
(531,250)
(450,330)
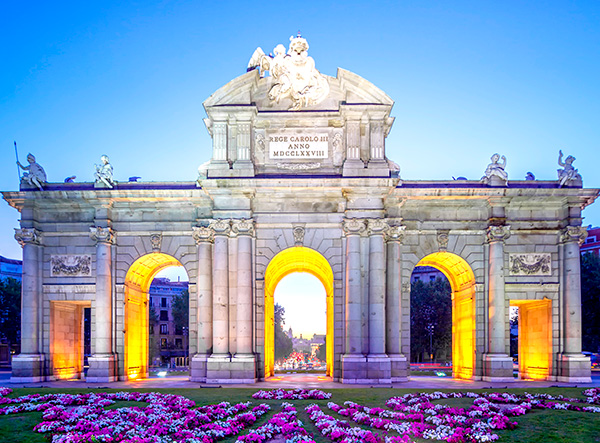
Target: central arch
(462,281)
(288,261)
(137,284)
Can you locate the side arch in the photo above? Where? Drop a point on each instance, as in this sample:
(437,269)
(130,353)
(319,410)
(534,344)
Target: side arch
(462,281)
(288,261)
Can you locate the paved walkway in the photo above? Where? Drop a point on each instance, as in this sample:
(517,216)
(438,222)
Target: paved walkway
(290,381)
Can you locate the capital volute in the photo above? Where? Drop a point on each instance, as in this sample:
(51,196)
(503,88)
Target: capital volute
(220,226)
(26,236)
(574,234)
(376,226)
(395,234)
(203,234)
(243,226)
(102,235)
(354,226)
(498,233)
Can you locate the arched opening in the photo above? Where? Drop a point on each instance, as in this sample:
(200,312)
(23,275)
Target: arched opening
(462,283)
(291,260)
(137,286)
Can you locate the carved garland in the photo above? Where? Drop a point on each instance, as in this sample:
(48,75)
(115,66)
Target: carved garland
(530,264)
(70,265)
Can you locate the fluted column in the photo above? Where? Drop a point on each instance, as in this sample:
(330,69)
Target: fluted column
(204,237)
(220,342)
(219,130)
(245,230)
(377,280)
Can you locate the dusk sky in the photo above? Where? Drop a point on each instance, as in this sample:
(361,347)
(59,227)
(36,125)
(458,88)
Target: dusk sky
(128,79)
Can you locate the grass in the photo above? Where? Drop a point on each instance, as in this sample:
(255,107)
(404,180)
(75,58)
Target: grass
(546,426)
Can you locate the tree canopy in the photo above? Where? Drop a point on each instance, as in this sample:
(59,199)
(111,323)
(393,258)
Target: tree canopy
(181,311)
(283,343)
(590,302)
(10,310)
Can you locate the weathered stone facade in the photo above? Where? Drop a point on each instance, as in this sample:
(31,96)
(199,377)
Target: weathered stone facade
(259,196)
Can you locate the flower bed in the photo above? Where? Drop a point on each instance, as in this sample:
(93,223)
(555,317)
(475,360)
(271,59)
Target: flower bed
(285,423)
(294,394)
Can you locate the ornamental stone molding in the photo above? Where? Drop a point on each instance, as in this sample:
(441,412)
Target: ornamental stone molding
(395,233)
(498,233)
(28,236)
(102,235)
(220,226)
(298,231)
(530,264)
(354,226)
(70,265)
(156,241)
(442,239)
(203,234)
(376,226)
(574,233)
(243,226)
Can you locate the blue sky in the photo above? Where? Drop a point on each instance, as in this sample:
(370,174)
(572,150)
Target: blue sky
(127,79)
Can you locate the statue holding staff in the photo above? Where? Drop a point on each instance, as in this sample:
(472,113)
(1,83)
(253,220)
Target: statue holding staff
(35,175)
(104,173)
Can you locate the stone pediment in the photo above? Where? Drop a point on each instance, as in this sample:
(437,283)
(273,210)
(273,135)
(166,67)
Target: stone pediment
(249,89)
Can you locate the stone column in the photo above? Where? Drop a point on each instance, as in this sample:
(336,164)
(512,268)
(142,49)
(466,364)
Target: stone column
(28,366)
(220,141)
(497,363)
(353,361)
(103,364)
(377,360)
(221,288)
(244,362)
(204,237)
(393,303)
(574,366)
(353,163)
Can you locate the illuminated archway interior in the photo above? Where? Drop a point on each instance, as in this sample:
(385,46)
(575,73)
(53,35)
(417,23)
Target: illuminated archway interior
(535,338)
(462,281)
(137,284)
(296,259)
(66,343)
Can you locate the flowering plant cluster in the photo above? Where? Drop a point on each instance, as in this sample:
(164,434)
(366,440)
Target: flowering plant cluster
(285,423)
(295,394)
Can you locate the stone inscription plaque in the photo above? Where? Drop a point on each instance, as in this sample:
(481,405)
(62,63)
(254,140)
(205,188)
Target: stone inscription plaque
(530,264)
(294,146)
(70,265)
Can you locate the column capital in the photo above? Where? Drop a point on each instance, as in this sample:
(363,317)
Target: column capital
(102,235)
(395,234)
(203,234)
(497,233)
(376,226)
(354,226)
(220,226)
(573,234)
(28,236)
(243,226)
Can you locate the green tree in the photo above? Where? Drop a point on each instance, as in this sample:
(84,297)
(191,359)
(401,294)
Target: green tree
(153,345)
(590,302)
(10,310)
(283,343)
(181,311)
(430,319)
(322,352)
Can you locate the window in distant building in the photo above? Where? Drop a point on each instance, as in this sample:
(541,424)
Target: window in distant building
(163,302)
(150,301)
(151,329)
(163,343)
(591,239)
(164,329)
(417,278)
(164,315)
(178,343)
(432,278)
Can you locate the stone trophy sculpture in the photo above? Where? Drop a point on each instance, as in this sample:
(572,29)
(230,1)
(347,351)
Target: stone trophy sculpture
(104,173)
(495,174)
(36,176)
(294,74)
(568,175)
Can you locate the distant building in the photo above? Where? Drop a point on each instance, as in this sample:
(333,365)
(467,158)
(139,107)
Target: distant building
(168,344)
(10,268)
(592,242)
(426,274)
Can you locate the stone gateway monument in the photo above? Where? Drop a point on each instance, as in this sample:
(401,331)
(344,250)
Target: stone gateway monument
(299,181)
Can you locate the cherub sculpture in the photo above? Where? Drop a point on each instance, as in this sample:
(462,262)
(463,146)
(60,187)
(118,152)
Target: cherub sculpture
(36,176)
(104,173)
(568,174)
(495,169)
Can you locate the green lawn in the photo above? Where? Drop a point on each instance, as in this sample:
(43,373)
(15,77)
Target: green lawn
(537,426)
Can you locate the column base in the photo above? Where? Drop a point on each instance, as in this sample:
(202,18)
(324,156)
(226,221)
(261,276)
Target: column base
(103,368)
(27,368)
(574,368)
(379,369)
(225,369)
(399,368)
(354,369)
(497,368)
(198,368)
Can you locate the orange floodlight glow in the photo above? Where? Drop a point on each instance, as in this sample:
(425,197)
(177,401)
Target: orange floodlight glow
(66,339)
(462,281)
(288,261)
